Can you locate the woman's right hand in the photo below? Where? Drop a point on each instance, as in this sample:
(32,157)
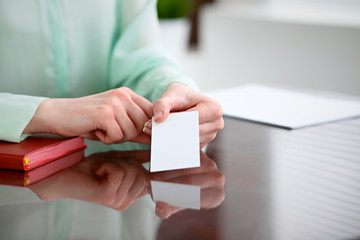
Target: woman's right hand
(113,116)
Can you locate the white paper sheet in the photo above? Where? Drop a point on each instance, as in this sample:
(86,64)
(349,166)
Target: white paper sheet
(175,194)
(286,108)
(175,142)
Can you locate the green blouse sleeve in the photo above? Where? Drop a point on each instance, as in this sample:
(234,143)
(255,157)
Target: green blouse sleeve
(138,60)
(16,112)
(15,195)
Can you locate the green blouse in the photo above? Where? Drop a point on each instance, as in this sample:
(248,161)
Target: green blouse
(72,48)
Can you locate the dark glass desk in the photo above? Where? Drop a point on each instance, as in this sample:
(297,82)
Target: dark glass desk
(279,184)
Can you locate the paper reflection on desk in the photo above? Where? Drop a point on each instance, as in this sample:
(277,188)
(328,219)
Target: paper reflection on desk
(176,194)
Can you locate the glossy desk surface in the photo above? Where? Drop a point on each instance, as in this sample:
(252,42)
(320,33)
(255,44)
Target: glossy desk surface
(279,184)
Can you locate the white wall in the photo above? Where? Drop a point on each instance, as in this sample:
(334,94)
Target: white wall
(307,46)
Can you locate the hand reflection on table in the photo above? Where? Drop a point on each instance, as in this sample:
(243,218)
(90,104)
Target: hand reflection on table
(117,179)
(207,176)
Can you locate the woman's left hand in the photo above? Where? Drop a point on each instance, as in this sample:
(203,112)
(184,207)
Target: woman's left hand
(179,97)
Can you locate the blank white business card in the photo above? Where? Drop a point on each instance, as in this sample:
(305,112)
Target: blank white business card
(176,194)
(175,142)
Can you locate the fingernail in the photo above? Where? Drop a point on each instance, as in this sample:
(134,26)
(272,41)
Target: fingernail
(147,131)
(157,115)
(148,125)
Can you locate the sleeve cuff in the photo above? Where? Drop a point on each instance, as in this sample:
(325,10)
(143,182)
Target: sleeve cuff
(17,112)
(14,195)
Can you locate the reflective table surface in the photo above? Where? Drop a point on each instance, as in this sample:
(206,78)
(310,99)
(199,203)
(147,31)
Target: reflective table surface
(255,182)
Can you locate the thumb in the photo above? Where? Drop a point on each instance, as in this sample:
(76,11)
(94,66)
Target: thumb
(162,108)
(142,138)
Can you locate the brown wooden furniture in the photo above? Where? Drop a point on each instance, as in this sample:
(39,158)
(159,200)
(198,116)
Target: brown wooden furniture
(280,184)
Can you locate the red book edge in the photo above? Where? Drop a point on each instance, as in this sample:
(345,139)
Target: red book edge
(26,179)
(41,155)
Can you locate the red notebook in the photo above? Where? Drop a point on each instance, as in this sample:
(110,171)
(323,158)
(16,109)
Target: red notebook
(25,179)
(35,151)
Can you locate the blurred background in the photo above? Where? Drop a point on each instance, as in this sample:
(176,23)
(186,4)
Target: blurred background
(304,43)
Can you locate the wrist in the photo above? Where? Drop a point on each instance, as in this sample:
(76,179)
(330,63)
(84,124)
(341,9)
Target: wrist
(39,122)
(45,190)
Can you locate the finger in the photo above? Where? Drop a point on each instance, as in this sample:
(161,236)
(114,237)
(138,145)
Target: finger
(147,127)
(144,104)
(205,139)
(212,197)
(111,180)
(142,138)
(100,134)
(126,125)
(90,135)
(110,132)
(208,131)
(210,126)
(137,116)
(147,131)
(139,195)
(130,175)
(167,104)
(209,110)
(137,190)
(164,210)
(161,109)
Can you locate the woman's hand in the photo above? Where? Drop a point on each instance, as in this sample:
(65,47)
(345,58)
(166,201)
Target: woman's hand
(179,97)
(114,116)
